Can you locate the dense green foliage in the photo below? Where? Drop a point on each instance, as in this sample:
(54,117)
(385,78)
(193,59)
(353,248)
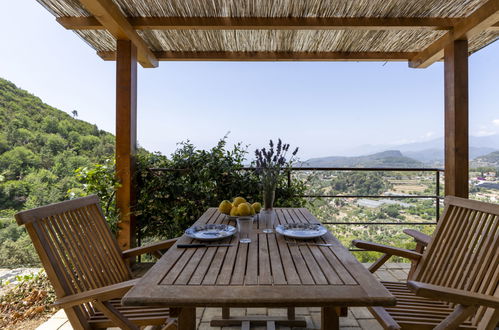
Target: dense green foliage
(15,245)
(170,200)
(40,148)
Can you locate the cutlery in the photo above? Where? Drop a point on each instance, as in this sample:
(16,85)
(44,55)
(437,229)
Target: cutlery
(315,244)
(198,245)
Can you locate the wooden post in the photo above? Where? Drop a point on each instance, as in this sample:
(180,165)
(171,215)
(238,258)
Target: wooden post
(456,119)
(126,139)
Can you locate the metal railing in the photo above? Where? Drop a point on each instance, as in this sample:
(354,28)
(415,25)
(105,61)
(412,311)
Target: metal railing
(436,195)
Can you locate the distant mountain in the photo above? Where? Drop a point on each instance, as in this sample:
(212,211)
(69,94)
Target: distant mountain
(491,159)
(435,157)
(430,151)
(390,158)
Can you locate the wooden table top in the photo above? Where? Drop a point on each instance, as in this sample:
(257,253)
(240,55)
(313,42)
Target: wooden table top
(266,272)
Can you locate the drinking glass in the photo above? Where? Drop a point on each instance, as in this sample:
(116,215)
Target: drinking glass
(266,219)
(244,227)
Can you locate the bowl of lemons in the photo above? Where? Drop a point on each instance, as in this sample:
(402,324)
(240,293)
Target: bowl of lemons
(239,207)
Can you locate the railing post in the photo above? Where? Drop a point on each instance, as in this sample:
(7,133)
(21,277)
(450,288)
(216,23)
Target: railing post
(437,193)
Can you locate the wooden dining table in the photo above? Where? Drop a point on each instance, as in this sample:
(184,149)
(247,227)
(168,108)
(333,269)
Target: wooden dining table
(271,271)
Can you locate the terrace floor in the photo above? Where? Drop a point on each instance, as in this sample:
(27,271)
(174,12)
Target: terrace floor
(358,317)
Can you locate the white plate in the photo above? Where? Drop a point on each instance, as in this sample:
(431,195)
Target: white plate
(210,232)
(301,230)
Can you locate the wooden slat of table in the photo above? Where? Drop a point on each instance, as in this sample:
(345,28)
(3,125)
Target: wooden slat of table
(267,271)
(322,254)
(180,257)
(251,277)
(276,261)
(336,264)
(295,268)
(264,271)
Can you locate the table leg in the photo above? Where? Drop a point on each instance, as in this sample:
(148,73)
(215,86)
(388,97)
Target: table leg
(330,319)
(187,319)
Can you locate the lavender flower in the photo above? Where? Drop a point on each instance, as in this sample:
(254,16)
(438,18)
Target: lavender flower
(270,162)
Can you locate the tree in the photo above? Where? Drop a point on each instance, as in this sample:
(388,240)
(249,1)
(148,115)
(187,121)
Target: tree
(17,161)
(74,113)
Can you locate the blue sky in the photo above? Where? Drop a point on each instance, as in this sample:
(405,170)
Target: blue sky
(325,108)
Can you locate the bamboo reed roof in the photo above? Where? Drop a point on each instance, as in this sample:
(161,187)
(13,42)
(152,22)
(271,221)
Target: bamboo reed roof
(302,29)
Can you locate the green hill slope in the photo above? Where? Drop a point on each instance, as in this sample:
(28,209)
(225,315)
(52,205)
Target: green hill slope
(488,160)
(389,158)
(40,147)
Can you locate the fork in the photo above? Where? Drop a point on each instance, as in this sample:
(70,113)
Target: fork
(315,244)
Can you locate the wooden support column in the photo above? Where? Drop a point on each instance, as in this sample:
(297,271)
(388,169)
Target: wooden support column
(126,139)
(456,119)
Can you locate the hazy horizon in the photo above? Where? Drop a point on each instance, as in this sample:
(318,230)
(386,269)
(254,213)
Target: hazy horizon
(325,108)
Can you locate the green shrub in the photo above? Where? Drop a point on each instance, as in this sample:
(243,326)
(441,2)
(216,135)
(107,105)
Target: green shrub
(100,179)
(170,201)
(16,249)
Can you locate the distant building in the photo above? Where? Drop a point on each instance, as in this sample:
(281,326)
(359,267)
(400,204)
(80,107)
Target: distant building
(369,203)
(372,204)
(489,185)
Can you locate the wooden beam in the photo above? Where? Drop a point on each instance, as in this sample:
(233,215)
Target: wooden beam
(110,16)
(126,139)
(494,28)
(482,18)
(456,119)
(268,23)
(273,56)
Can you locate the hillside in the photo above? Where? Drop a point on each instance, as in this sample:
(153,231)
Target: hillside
(390,158)
(435,157)
(489,160)
(430,152)
(40,147)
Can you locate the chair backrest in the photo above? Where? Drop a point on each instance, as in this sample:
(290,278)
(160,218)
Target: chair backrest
(463,253)
(75,247)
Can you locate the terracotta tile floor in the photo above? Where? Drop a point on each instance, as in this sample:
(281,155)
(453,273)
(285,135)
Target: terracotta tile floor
(358,317)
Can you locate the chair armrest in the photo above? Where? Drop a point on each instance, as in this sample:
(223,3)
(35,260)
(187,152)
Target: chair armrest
(148,248)
(102,294)
(418,236)
(461,297)
(390,250)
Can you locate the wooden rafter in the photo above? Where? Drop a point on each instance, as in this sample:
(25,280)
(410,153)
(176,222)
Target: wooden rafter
(484,17)
(111,18)
(273,56)
(264,23)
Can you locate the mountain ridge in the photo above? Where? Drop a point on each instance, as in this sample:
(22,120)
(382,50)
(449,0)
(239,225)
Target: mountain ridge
(385,159)
(395,158)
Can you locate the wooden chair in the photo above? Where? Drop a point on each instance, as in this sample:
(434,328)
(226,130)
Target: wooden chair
(455,283)
(422,241)
(85,266)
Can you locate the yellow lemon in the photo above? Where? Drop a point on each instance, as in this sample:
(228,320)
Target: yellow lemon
(243,209)
(225,207)
(257,206)
(233,212)
(252,209)
(238,200)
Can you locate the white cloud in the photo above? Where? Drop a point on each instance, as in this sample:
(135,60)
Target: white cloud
(484,132)
(429,135)
(495,122)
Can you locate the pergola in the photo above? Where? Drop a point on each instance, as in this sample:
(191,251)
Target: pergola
(148,31)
